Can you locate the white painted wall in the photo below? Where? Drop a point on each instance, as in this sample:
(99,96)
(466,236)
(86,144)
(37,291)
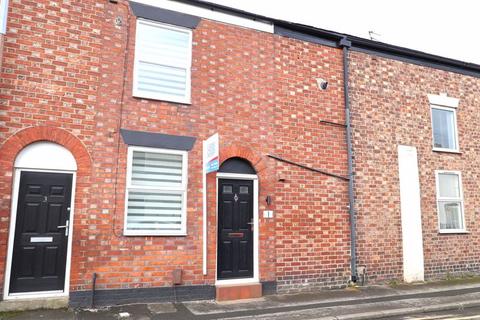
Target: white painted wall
(411,214)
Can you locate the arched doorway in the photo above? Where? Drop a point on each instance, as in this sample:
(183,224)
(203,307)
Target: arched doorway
(237,222)
(39,246)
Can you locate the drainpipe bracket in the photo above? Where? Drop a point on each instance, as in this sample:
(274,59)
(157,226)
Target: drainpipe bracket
(344,42)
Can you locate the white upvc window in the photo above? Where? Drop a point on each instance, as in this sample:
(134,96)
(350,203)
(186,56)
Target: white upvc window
(156,195)
(444,126)
(444,123)
(450,202)
(3,16)
(163,59)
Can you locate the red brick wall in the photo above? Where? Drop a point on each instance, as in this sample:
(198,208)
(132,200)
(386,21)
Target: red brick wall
(390,107)
(48,83)
(312,217)
(69,67)
(231,72)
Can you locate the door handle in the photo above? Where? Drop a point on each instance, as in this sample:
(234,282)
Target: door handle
(65,227)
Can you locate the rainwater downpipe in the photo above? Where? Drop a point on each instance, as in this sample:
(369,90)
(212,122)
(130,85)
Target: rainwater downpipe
(345,44)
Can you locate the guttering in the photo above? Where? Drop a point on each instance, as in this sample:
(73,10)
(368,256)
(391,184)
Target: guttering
(332,39)
(345,44)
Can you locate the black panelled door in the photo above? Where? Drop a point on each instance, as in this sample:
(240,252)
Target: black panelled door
(41,232)
(235,229)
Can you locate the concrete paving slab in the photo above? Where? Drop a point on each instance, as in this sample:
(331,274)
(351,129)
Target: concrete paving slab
(371,310)
(157,308)
(349,304)
(330,298)
(89,315)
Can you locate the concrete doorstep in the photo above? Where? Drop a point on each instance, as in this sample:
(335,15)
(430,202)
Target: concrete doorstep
(33,304)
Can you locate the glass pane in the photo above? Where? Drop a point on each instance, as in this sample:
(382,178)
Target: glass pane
(443,129)
(154,211)
(163,45)
(244,189)
(450,215)
(227,189)
(163,61)
(449,185)
(156,169)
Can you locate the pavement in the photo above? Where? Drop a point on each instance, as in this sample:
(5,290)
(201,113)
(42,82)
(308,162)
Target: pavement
(373,302)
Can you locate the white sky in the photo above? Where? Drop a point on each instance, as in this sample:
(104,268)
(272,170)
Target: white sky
(446,28)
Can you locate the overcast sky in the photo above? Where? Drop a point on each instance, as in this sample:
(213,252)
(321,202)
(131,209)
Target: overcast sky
(447,28)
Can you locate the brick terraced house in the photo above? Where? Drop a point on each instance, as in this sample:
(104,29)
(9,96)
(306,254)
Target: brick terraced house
(105,107)
(416,168)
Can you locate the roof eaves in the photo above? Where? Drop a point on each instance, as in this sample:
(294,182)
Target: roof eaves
(358,43)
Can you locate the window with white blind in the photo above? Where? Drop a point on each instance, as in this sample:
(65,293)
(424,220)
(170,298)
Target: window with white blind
(156,192)
(163,58)
(450,201)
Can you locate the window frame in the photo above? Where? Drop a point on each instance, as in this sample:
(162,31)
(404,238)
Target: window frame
(182,189)
(3,16)
(455,128)
(188,65)
(443,199)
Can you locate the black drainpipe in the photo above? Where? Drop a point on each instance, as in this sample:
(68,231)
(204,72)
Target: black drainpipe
(345,44)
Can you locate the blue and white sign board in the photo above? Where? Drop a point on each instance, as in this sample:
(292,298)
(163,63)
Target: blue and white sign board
(210,154)
(211,163)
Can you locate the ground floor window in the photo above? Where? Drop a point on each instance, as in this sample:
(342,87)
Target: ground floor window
(450,201)
(156,192)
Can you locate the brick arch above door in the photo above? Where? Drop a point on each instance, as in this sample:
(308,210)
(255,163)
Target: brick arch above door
(235,151)
(15,143)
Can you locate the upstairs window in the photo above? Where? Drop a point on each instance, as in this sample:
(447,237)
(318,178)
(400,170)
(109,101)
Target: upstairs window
(450,201)
(163,58)
(156,192)
(444,122)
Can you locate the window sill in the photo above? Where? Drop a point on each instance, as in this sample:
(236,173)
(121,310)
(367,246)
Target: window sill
(162,99)
(154,235)
(454,232)
(440,150)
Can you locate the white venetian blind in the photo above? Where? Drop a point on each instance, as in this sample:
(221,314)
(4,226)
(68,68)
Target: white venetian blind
(162,62)
(156,169)
(156,193)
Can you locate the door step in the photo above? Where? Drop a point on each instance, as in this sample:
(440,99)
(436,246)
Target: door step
(26,303)
(238,291)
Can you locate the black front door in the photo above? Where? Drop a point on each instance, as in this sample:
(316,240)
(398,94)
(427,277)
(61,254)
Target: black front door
(41,232)
(235,229)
